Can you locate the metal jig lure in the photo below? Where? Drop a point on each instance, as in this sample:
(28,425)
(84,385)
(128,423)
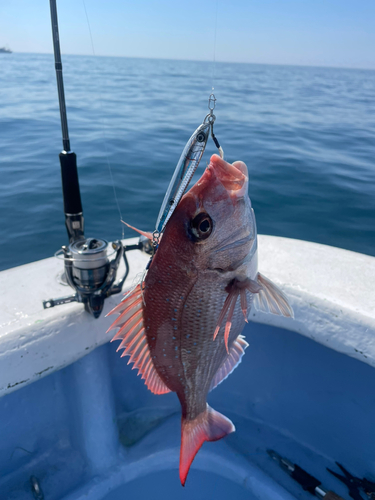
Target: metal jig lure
(186,167)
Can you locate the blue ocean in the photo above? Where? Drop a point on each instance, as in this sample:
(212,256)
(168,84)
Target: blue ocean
(307,135)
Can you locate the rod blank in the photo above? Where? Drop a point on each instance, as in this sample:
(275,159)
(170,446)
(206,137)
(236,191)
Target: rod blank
(59,76)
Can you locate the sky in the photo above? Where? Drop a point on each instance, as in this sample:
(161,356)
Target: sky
(338,33)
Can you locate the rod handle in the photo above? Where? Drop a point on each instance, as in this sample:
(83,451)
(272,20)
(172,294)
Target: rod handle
(70,184)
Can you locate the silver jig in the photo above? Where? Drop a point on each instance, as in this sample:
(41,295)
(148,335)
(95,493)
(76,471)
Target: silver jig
(186,167)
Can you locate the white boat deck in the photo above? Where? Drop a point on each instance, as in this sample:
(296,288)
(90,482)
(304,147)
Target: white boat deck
(331,290)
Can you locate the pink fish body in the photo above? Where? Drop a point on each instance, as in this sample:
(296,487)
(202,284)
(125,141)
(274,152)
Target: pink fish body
(182,329)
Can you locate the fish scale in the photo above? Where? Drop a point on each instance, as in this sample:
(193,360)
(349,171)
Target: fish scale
(207,355)
(187,368)
(162,320)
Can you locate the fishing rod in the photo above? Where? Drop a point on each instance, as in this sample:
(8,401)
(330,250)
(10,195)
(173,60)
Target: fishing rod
(74,220)
(88,269)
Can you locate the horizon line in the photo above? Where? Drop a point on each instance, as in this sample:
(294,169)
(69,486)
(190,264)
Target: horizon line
(208,61)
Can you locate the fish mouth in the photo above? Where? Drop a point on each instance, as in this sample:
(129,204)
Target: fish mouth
(234,177)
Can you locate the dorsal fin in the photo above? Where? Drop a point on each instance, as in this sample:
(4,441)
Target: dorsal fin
(130,297)
(231,362)
(134,341)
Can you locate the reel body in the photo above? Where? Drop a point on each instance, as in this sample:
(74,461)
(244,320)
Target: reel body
(91,274)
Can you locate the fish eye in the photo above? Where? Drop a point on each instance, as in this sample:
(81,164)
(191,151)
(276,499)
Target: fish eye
(201,226)
(201,137)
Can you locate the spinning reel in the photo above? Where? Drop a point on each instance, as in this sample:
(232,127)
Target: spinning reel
(91,274)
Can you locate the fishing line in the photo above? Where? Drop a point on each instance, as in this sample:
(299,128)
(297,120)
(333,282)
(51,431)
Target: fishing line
(214,56)
(212,98)
(103,124)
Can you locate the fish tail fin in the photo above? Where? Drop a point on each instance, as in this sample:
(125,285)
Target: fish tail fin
(207,426)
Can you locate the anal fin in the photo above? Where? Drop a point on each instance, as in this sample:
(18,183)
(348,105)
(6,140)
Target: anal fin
(231,362)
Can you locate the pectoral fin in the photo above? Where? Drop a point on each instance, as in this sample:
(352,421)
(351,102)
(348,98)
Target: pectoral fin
(265,295)
(236,288)
(271,299)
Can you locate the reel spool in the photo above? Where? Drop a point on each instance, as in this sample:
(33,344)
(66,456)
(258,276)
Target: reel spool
(89,263)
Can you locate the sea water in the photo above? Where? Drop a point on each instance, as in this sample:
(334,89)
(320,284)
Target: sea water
(307,135)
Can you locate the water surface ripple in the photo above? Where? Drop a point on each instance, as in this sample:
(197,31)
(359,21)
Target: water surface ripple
(306,134)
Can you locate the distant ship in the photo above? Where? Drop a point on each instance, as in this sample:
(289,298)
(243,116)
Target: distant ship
(5,50)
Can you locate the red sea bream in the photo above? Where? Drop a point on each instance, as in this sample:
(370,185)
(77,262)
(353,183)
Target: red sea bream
(182,326)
